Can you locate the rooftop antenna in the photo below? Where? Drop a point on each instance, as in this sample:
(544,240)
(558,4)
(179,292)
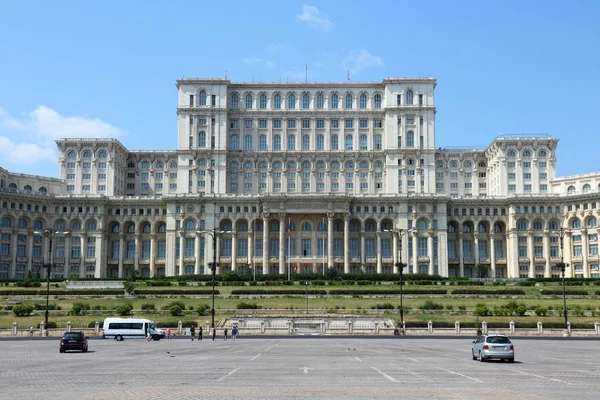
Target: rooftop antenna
(306,73)
(348,74)
(225,74)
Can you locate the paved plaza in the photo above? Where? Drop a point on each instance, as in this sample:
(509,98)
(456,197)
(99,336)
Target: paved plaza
(292,368)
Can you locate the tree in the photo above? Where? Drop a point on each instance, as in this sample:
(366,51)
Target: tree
(129,287)
(481,271)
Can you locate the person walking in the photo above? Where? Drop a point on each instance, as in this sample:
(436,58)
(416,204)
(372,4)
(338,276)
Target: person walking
(192,332)
(168,332)
(199,333)
(234,332)
(225,334)
(31,331)
(214,332)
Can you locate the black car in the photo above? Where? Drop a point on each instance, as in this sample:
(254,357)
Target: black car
(73,341)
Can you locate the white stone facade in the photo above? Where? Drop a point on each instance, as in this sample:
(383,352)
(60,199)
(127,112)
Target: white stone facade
(302,177)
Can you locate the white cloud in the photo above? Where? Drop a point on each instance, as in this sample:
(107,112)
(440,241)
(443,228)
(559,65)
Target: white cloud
(30,139)
(312,16)
(359,60)
(273,47)
(23,153)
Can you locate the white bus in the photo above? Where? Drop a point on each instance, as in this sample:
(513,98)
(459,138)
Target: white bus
(121,328)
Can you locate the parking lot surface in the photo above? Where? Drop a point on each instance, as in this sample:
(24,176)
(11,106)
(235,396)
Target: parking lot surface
(293,368)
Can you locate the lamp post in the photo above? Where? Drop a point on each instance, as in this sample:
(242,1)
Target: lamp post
(306,295)
(49,234)
(563,266)
(400,265)
(213,267)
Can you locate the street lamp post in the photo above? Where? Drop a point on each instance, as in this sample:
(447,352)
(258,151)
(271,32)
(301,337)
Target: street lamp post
(49,234)
(213,267)
(306,295)
(400,265)
(563,266)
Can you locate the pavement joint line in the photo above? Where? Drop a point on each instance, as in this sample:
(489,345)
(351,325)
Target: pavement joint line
(229,374)
(544,377)
(255,357)
(409,358)
(358,359)
(459,374)
(384,374)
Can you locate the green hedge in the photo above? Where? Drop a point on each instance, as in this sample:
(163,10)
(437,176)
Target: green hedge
(61,292)
(385,291)
(175,291)
(321,292)
(559,292)
(490,292)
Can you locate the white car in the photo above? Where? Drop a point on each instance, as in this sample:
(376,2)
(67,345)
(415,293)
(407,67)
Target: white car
(488,347)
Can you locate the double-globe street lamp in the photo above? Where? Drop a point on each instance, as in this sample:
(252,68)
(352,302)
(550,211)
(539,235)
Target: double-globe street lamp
(563,266)
(213,266)
(49,234)
(400,265)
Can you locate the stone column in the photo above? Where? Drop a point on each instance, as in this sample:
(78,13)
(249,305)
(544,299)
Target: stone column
(233,250)
(415,260)
(121,251)
(153,246)
(492,256)
(547,269)
(282,244)
(196,253)
(394,253)
(181,250)
(584,253)
(531,254)
(330,240)
(251,248)
(136,260)
(430,253)
(378,252)
(461,260)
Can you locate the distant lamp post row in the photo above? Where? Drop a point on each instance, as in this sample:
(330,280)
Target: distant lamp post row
(49,234)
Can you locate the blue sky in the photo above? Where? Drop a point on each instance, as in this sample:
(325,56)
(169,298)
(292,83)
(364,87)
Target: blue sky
(89,69)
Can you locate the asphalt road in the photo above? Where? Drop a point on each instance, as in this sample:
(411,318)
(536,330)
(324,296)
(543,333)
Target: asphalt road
(283,368)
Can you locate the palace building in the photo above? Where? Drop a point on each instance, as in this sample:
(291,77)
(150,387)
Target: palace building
(299,177)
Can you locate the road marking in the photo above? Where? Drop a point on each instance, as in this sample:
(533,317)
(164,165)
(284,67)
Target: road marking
(305,369)
(229,374)
(459,374)
(544,377)
(411,359)
(384,374)
(358,359)
(255,357)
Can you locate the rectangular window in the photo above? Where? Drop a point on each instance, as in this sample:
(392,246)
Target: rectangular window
(306,123)
(320,123)
(291,123)
(363,123)
(349,123)
(276,123)
(335,123)
(262,123)
(377,123)
(247,123)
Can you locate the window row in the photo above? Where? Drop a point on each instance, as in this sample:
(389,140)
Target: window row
(349,123)
(305,101)
(87,154)
(305,144)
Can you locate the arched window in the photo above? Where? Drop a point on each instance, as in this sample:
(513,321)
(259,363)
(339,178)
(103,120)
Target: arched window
(277,165)
(76,225)
(262,142)
(320,142)
(586,188)
(87,154)
(243,226)
(190,225)
(234,166)
(305,101)
(522,225)
(334,142)
(131,228)
(526,154)
(22,224)
(102,154)
(363,101)
(291,165)
(482,228)
(410,139)
(235,145)
(60,226)
(277,101)
(571,189)
(226,226)
(27,188)
(378,142)
(248,146)
(542,154)
(146,228)
(38,225)
(249,101)
(248,165)
(348,142)
(262,101)
(262,164)
(466,228)
(162,228)
(320,101)
(43,190)
(291,102)
(173,165)
(408,98)
(277,143)
(364,164)
(349,165)
(334,101)
(235,101)
(363,142)
(202,139)
(274,226)
(305,142)
(377,101)
(6,222)
(592,222)
(159,165)
(71,155)
(145,165)
(576,224)
(306,226)
(538,226)
(335,165)
(497,228)
(511,154)
(202,98)
(291,142)
(12,185)
(422,225)
(305,164)
(91,225)
(451,228)
(348,103)
(370,226)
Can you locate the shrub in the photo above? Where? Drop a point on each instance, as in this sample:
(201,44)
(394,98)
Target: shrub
(385,306)
(175,303)
(158,283)
(22,309)
(124,309)
(541,311)
(558,292)
(175,311)
(430,305)
(202,309)
(129,287)
(247,306)
(79,309)
(481,310)
(51,325)
(148,307)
